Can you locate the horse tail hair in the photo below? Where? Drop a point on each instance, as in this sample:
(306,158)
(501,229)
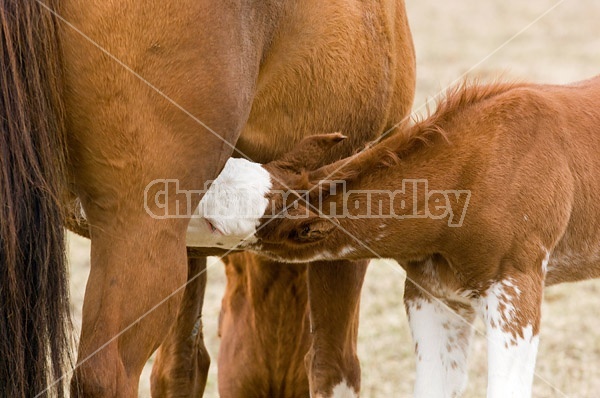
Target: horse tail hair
(35,325)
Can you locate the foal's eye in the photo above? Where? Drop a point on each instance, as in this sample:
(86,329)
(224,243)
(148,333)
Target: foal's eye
(213,229)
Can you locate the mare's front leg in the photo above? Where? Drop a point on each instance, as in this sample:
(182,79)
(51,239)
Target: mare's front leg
(442,332)
(182,360)
(511,309)
(334,297)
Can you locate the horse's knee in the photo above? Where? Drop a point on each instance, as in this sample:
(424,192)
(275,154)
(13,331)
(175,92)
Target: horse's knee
(181,368)
(102,375)
(331,375)
(91,388)
(201,364)
(182,361)
(332,361)
(189,381)
(202,357)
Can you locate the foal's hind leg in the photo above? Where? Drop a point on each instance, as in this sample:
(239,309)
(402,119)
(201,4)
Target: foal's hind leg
(442,334)
(334,297)
(182,361)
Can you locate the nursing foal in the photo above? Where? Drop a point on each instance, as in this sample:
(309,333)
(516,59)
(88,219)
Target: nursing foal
(485,202)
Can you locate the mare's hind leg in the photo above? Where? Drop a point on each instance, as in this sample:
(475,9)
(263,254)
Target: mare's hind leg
(334,297)
(130,301)
(442,334)
(138,260)
(182,361)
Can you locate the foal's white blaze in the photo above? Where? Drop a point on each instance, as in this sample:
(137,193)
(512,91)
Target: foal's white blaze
(512,348)
(233,205)
(442,346)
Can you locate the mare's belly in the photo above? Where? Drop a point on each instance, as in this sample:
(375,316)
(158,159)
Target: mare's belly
(326,71)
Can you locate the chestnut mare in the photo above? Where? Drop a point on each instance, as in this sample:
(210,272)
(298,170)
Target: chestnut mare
(491,198)
(109,96)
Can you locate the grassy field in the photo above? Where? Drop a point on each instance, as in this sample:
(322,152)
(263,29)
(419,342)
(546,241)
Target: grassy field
(523,40)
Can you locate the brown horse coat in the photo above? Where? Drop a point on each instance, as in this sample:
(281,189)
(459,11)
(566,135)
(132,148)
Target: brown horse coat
(264,328)
(135,92)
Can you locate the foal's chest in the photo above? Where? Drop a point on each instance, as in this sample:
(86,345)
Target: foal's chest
(437,278)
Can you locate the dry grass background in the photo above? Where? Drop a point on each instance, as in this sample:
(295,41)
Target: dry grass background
(451,37)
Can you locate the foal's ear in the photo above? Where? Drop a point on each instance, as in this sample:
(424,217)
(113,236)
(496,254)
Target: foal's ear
(312,230)
(309,152)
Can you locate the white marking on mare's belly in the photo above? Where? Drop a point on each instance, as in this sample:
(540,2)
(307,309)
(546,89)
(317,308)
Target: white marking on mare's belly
(234,205)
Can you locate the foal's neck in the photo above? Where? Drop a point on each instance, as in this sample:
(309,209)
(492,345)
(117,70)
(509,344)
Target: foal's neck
(398,206)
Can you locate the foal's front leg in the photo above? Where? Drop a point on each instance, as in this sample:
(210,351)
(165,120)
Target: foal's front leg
(511,311)
(442,334)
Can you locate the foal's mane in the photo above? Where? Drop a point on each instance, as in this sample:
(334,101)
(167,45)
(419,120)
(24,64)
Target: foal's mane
(389,151)
(455,99)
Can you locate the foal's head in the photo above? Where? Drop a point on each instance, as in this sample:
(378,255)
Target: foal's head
(267,206)
(292,223)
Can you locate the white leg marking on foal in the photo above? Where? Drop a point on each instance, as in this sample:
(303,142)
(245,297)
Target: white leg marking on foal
(233,205)
(512,348)
(441,346)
